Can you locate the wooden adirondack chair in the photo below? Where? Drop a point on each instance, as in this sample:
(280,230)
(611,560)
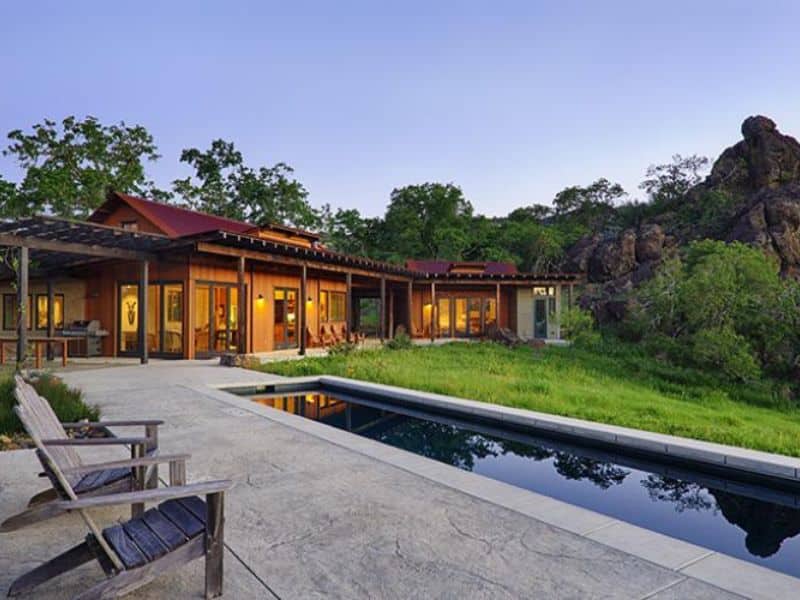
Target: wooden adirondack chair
(42,424)
(180,529)
(313,340)
(328,339)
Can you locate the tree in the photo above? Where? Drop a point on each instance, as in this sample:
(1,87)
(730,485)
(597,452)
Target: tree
(430,220)
(727,307)
(587,209)
(223,185)
(670,182)
(347,232)
(71,166)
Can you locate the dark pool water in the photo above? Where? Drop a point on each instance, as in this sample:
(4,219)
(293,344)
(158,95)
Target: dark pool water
(741,519)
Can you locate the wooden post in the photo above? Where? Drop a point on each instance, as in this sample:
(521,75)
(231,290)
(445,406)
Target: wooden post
(391,314)
(497,308)
(22,306)
(143,285)
(382,326)
(348,306)
(410,309)
(241,313)
(215,542)
(303,310)
(51,326)
(433,311)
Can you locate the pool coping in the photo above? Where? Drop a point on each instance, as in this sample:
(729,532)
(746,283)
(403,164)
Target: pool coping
(687,560)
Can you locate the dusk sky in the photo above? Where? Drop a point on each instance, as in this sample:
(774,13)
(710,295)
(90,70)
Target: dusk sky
(512,101)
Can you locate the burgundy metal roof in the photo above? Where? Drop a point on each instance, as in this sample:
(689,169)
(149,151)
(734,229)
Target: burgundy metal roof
(440,267)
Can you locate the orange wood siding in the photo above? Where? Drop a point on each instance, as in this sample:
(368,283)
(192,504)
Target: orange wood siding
(126,213)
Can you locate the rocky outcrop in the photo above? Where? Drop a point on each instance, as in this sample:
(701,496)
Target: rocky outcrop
(760,176)
(765,158)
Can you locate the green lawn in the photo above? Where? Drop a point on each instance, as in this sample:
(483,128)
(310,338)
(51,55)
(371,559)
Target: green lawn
(614,384)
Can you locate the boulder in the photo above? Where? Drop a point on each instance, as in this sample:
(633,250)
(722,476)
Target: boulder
(649,243)
(613,258)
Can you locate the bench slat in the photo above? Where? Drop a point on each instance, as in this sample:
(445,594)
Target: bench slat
(165,529)
(147,541)
(126,549)
(186,521)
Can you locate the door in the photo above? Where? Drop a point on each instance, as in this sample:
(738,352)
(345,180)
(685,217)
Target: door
(216,326)
(285,320)
(164,327)
(540,317)
(443,308)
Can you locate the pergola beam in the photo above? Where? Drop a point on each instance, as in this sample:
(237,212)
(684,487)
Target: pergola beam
(96,250)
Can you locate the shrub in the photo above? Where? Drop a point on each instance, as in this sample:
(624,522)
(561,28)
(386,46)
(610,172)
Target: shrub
(726,350)
(66,402)
(342,349)
(400,341)
(578,325)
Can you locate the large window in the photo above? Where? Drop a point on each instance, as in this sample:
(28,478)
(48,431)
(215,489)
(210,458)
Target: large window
(10,311)
(164,328)
(332,306)
(41,311)
(216,307)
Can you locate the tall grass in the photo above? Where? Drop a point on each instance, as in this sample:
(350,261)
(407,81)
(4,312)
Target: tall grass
(611,383)
(66,402)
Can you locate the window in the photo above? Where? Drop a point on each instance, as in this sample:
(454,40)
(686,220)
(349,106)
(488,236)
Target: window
(10,311)
(332,306)
(41,311)
(337,309)
(130,225)
(323,307)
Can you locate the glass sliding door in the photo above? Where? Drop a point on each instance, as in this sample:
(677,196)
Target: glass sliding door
(202,319)
(285,318)
(460,319)
(164,327)
(489,313)
(443,307)
(474,316)
(128,319)
(216,327)
(172,319)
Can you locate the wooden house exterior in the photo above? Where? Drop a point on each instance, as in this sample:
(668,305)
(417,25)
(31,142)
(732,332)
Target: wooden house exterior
(215,285)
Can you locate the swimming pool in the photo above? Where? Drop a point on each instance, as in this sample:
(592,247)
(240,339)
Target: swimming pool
(744,519)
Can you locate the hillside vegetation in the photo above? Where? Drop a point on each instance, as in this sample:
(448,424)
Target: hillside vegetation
(609,383)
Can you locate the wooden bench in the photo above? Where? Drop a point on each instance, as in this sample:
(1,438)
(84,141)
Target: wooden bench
(39,343)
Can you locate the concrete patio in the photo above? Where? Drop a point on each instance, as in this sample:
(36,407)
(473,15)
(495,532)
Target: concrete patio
(312,518)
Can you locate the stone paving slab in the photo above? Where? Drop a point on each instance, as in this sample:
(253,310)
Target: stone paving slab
(312,519)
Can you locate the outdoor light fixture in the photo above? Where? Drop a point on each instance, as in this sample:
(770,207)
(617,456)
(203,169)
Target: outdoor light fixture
(260,300)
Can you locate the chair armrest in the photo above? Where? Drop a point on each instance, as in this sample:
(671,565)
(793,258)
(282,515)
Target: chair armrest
(155,495)
(101,424)
(133,462)
(97,441)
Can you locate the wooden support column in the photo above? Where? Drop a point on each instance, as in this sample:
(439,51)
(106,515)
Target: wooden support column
(391,314)
(241,308)
(433,311)
(410,309)
(382,326)
(143,285)
(497,307)
(22,306)
(303,310)
(348,306)
(51,326)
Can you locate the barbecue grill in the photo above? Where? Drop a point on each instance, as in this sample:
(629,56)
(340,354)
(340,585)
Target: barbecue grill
(88,338)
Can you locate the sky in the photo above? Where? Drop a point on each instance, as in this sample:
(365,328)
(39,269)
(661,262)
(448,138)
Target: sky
(512,101)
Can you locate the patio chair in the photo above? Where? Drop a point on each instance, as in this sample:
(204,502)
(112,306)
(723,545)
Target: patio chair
(43,425)
(180,529)
(313,340)
(328,339)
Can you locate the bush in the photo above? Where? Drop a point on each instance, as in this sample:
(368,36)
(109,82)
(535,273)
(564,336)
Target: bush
(66,402)
(727,351)
(342,349)
(578,325)
(400,341)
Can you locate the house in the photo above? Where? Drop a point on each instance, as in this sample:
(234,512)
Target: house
(205,285)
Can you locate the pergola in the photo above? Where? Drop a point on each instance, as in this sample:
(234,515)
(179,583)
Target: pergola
(52,244)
